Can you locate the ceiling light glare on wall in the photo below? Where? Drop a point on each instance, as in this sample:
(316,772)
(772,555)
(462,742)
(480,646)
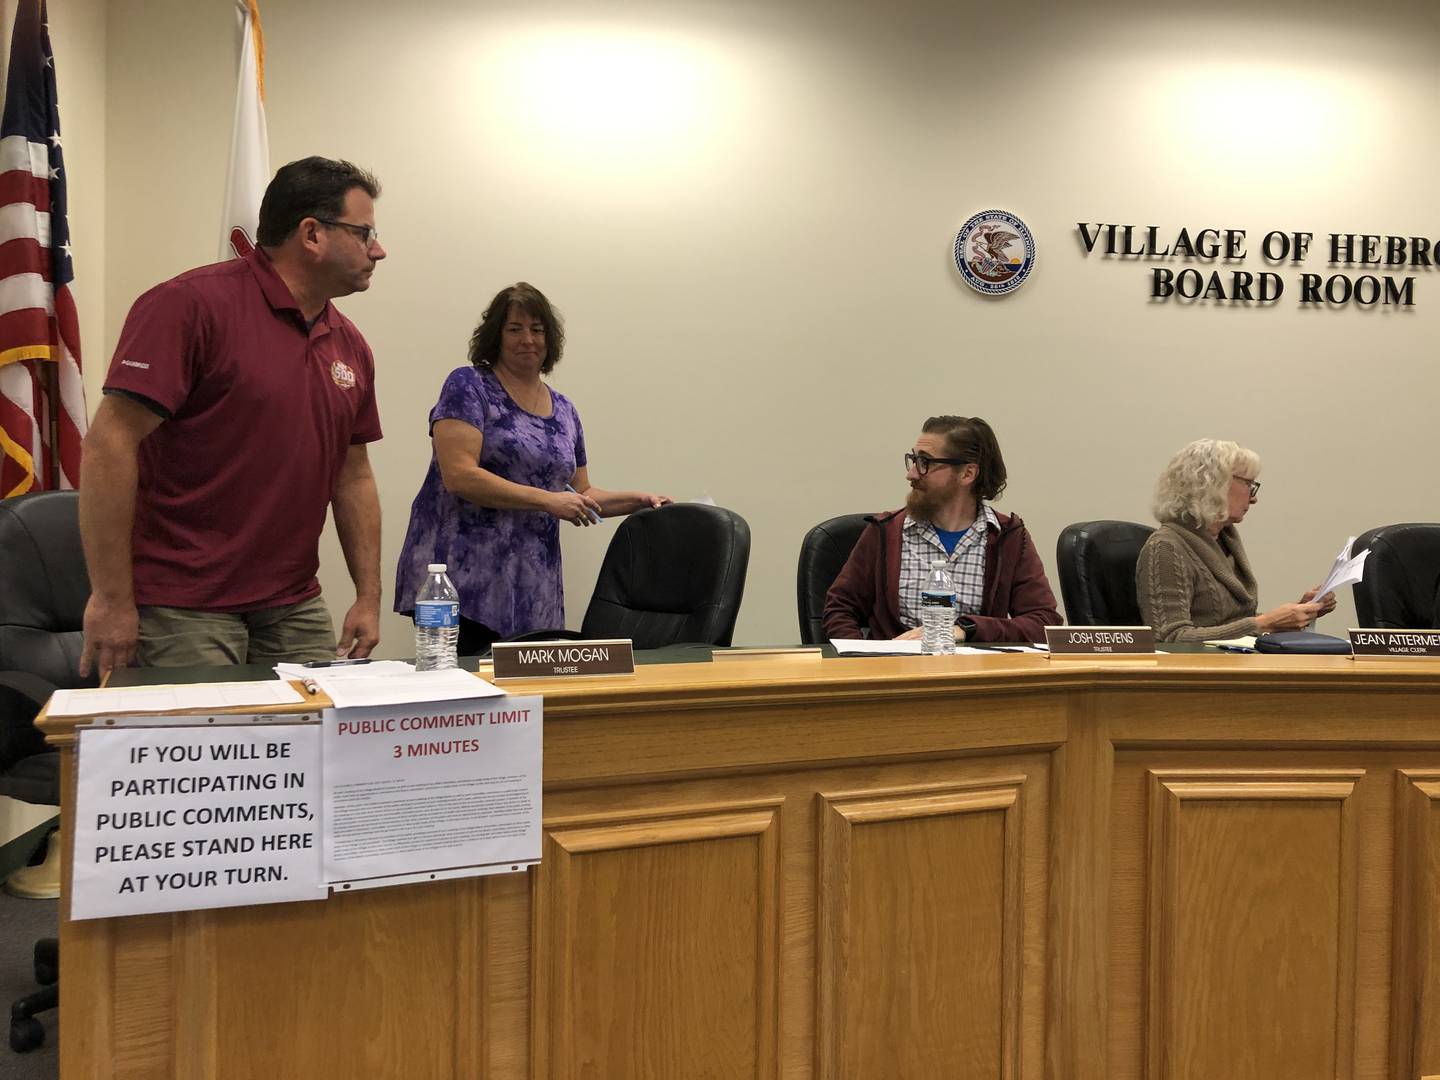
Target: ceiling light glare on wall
(1267,115)
(639,98)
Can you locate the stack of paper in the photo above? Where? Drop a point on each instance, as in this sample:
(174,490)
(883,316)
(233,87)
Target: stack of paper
(1346,571)
(389,682)
(1244,643)
(911,647)
(871,647)
(195,697)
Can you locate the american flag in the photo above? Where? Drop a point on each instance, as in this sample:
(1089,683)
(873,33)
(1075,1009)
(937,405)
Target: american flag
(42,399)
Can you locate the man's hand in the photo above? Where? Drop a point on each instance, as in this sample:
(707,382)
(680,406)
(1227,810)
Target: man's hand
(112,630)
(361,631)
(108,475)
(919,632)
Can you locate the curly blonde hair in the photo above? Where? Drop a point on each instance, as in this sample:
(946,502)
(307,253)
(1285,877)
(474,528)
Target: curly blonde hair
(1194,488)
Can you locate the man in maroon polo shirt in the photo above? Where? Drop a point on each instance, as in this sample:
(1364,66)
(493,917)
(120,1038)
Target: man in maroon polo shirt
(237,408)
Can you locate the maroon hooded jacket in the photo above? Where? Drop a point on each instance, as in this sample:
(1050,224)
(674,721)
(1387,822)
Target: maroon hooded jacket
(1017,604)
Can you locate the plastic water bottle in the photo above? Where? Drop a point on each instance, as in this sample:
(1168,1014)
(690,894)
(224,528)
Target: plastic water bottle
(937,611)
(437,621)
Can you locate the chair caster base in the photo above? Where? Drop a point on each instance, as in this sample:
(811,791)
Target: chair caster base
(26,1034)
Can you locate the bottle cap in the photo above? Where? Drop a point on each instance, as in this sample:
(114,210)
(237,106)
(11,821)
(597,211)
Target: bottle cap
(936,563)
(435,568)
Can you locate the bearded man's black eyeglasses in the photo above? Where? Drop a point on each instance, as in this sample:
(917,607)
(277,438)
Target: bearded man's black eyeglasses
(922,462)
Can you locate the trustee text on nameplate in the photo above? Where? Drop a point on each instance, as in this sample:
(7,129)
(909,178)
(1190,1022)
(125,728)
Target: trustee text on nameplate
(548,659)
(1083,641)
(1395,644)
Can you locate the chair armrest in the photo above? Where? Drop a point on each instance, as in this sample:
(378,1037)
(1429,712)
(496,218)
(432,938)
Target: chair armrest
(30,686)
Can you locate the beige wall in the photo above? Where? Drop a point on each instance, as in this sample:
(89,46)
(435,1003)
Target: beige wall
(77,34)
(745,211)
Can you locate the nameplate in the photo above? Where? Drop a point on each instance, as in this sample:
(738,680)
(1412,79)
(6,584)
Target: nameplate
(1395,644)
(1092,641)
(552,659)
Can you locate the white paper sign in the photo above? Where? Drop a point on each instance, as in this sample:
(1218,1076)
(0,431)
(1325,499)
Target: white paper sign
(432,787)
(172,819)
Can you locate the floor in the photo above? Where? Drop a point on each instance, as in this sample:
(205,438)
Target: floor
(21,922)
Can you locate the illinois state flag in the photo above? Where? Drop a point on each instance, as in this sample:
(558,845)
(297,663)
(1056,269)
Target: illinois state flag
(249,142)
(42,399)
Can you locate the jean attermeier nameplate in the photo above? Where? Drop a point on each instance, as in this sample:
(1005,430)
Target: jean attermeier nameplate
(1397,644)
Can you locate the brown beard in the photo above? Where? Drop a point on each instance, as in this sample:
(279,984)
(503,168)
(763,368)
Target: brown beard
(921,505)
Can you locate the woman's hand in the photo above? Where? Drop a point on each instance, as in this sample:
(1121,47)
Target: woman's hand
(1326,602)
(571,506)
(1290,617)
(647,499)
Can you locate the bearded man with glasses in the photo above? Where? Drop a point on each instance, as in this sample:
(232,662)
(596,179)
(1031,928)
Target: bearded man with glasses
(954,470)
(237,410)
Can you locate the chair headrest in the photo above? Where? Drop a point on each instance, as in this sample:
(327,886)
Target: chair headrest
(43,581)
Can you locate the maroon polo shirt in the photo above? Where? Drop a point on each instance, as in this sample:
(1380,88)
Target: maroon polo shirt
(235,483)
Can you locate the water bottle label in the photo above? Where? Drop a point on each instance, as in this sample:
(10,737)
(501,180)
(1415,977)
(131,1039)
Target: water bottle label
(436,614)
(937,599)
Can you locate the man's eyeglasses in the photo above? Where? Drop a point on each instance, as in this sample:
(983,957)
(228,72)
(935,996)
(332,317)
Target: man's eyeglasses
(368,234)
(921,462)
(1253,485)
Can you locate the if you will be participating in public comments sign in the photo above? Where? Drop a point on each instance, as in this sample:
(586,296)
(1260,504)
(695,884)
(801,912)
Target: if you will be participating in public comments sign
(171,819)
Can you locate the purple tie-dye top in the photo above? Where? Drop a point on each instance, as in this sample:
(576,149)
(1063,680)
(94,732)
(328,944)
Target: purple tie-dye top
(504,563)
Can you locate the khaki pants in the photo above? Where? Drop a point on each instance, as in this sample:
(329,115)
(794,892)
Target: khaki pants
(180,637)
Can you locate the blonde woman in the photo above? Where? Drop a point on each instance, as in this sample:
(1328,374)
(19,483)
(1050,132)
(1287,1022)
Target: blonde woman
(1193,578)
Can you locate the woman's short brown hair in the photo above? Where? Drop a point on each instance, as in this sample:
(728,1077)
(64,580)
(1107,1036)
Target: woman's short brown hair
(485,341)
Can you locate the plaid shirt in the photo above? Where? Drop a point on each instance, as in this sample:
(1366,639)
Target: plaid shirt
(920,545)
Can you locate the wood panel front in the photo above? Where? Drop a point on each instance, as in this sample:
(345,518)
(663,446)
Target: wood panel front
(1416,1018)
(657,945)
(898,867)
(1251,871)
(920,966)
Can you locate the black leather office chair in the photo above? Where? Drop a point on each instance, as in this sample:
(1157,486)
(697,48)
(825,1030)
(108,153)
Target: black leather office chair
(43,589)
(673,574)
(822,555)
(1097,572)
(1401,588)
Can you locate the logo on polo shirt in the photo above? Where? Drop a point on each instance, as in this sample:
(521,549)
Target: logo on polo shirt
(342,376)
(135,363)
(994,252)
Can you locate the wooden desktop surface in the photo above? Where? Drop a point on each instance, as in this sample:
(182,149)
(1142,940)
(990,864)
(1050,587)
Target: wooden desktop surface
(1201,866)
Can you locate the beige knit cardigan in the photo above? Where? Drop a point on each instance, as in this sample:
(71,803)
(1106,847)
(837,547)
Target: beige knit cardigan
(1188,589)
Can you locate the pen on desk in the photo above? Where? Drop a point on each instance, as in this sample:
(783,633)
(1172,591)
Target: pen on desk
(310,685)
(593,515)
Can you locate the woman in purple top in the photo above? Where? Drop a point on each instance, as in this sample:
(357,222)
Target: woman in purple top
(508,466)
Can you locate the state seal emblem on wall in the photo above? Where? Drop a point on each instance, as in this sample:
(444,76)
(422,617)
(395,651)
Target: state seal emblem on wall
(342,376)
(994,252)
